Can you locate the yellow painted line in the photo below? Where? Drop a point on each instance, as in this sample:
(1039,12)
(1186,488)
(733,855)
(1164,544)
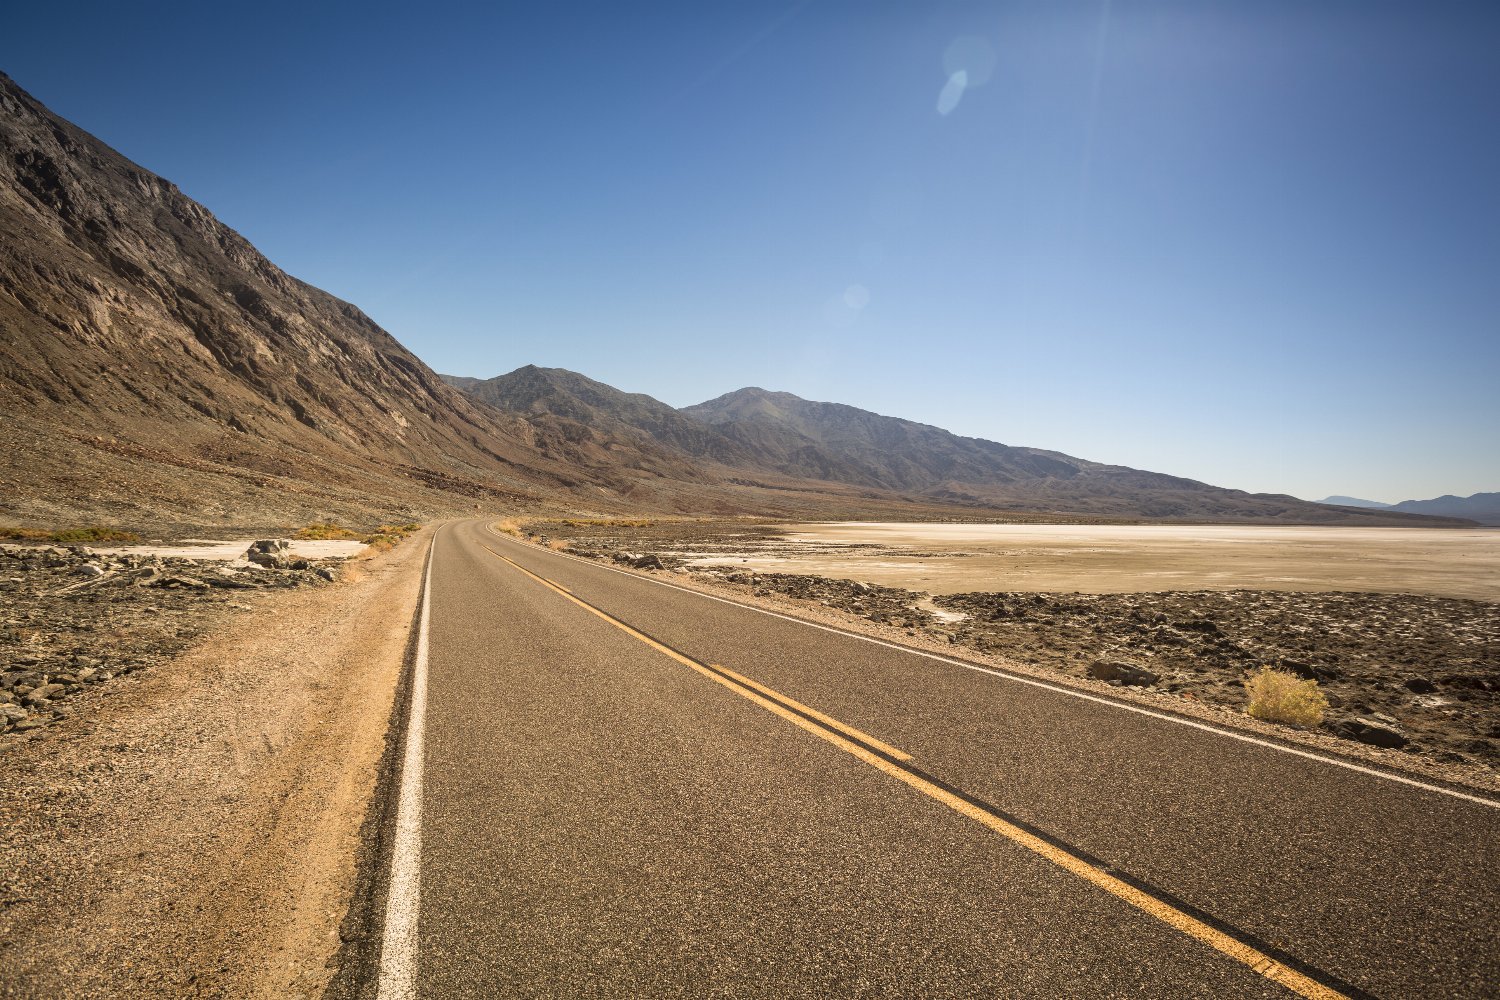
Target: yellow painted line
(1168,914)
(827,720)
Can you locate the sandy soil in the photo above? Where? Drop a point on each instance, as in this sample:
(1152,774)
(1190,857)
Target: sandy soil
(1114,559)
(196,835)
(191,548)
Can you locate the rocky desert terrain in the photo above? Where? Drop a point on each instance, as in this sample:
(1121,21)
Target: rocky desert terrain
(74,618)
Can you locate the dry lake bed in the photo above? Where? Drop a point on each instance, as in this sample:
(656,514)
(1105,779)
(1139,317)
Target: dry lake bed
(1116,559)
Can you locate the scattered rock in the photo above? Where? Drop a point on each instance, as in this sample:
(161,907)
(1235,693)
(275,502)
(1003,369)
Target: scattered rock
(1126,673)
(1373,733)
(69,610)
(1308,671)
(42,694)
(1419,685)
(179,582)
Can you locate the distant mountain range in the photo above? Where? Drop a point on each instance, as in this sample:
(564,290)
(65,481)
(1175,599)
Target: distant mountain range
(155,368)
(754,436)
(1481,507)
(1339,501)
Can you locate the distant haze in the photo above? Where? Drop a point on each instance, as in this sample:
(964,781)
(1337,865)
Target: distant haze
(1251,244)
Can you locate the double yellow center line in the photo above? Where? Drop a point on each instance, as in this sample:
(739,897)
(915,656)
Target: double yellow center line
(890,761)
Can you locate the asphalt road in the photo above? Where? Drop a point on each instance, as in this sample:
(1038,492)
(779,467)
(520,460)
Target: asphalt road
(627,789)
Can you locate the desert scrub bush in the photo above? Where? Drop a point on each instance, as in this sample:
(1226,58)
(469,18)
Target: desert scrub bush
(1282,696)
(381,539)
(387,535)
(509,526)
(325,531)
(558,545)
(70,536)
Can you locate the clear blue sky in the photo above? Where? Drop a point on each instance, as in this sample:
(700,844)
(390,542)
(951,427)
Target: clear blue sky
(1255,243)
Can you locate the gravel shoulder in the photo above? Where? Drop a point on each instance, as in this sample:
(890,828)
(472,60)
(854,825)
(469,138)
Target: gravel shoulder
(191,829)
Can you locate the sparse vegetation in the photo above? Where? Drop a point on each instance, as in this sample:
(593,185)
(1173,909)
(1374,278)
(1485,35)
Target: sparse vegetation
(509,526)
(382,538)
(324,531)
(71,536)
(1282,696)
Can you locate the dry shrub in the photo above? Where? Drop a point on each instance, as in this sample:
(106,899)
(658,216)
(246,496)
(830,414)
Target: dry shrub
(558,545)
(325,531)
(71,536)
(382,539)
(386,536)
(509,526)
(1282,696)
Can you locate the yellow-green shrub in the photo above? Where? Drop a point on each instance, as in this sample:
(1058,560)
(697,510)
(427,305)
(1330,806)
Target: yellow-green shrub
(1282,696)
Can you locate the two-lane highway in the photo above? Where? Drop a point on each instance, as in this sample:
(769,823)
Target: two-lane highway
(617,787)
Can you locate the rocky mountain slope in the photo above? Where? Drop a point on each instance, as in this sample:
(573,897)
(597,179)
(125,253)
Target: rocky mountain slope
(544,393)
(154,364)
(147,348)
(159,372)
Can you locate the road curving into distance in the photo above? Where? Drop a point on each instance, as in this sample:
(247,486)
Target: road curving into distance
(624,788)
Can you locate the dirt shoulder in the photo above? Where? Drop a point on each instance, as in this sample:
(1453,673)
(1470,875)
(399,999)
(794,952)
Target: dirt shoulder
(191,829)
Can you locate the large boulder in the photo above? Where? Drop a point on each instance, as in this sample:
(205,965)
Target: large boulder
(270,552)
(1373,733)
(1125,673)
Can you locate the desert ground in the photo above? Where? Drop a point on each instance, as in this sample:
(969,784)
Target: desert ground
(1134,558)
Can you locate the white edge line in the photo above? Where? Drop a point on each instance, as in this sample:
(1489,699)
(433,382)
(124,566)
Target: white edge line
(1044,685)
(398,954)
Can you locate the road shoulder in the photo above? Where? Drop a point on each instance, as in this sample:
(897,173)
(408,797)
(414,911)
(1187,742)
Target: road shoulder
(197,835)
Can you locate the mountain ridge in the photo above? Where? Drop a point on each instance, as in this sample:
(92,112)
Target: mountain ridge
(1342,501)
(778,433)
(1483,508)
